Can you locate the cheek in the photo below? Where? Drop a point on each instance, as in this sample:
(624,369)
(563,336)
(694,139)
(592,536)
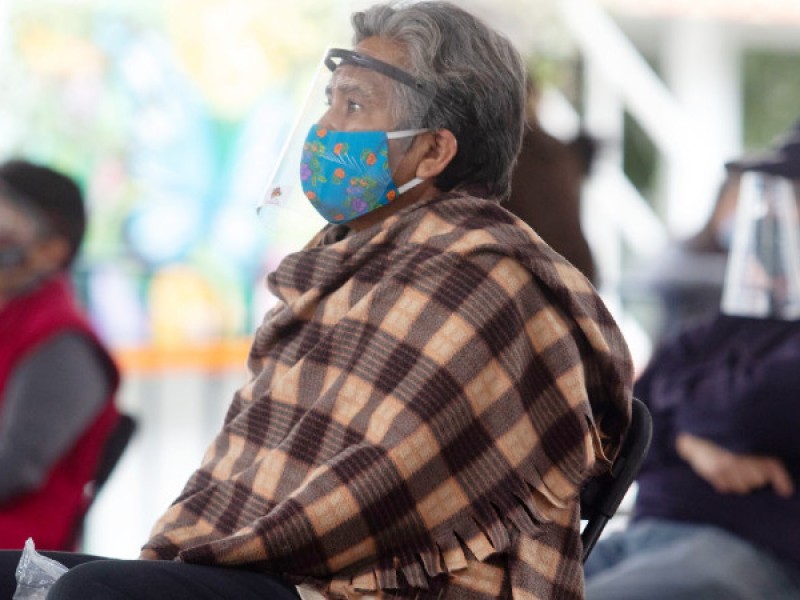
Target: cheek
(404,156)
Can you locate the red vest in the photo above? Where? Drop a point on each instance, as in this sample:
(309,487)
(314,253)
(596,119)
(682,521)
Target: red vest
(49,513)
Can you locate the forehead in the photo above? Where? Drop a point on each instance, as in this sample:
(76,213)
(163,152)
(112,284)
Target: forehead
(350,78)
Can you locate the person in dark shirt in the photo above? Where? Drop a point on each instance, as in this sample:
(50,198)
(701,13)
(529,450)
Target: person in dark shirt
(717,514)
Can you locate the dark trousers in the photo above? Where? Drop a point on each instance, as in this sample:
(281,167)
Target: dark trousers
(96,578)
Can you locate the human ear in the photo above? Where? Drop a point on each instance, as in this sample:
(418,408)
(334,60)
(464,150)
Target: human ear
(440,152)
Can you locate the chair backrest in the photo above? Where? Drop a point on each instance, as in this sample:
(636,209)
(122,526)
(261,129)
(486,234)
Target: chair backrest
(113,450)
(601,496)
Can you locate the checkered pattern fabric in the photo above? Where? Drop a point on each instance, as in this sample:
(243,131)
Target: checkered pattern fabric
(426,399)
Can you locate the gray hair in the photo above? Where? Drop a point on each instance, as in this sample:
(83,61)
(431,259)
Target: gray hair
(480,82)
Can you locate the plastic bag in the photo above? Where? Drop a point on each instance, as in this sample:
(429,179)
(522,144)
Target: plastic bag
(36,574)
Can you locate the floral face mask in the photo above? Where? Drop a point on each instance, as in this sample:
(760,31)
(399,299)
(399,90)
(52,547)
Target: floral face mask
(345,174)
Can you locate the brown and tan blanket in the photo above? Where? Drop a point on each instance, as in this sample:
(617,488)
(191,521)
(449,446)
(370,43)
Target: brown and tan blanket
(426,399)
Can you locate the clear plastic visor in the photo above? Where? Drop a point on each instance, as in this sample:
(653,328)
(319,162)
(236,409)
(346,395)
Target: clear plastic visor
(762,279)
(350,92)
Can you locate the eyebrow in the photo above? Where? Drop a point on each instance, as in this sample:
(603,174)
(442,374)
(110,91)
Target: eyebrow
(351,85)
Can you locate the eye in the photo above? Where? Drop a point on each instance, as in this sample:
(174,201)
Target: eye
(353,106)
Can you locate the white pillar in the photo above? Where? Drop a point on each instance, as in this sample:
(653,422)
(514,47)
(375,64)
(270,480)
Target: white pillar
(701,67)
(604,119)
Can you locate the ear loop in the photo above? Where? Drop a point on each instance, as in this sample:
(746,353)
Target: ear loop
(412,183)
(392,135)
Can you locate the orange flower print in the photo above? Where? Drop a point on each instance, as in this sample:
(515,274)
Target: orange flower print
(321,133)
(339,173)
(338,217)
(311,195)
(390,195)
(337,149)
(371,159)
(363,182)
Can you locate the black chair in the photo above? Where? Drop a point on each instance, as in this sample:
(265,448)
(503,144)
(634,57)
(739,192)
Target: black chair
(114,449)
(601,496)
(112,452)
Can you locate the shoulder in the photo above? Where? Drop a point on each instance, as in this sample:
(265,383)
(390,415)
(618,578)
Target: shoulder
(474,238)
(463,223)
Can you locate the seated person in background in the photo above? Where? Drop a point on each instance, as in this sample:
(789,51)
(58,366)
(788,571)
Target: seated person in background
(56,379)
(546,188)
(434,384)
(687,281)
(717,514)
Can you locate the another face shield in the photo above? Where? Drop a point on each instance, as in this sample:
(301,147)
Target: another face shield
(347,154)
(763,274)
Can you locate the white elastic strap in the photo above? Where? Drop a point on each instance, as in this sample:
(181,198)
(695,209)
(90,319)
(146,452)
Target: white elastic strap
(408,185)
(391,135)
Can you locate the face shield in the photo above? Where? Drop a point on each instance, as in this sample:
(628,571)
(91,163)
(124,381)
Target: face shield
(763,273)
(348,152)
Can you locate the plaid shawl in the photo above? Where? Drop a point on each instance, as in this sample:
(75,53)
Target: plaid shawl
(426,399)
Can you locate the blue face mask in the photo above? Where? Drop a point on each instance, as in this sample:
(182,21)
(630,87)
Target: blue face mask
(346,174)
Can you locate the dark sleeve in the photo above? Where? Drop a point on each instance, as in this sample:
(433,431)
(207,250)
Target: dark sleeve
(758,414)
(736,384)
(664,386)
(50,400)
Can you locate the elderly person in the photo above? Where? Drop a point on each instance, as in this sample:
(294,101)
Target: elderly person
(57,380)
(434,384)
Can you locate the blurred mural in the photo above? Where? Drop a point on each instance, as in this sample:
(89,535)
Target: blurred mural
(171,115)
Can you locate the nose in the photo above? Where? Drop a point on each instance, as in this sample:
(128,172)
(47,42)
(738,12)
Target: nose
(328,120)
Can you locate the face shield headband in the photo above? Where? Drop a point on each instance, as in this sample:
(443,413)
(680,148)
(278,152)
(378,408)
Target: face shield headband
(336,57)
(343,172)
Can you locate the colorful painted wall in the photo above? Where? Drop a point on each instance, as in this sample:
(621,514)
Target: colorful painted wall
(172,115)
